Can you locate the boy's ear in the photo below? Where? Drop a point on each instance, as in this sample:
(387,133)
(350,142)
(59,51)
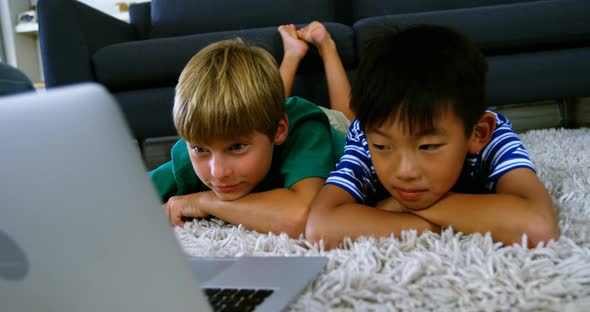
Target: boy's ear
(482,132)
(282,130)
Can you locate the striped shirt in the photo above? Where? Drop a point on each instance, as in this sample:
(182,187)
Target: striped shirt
(355,172)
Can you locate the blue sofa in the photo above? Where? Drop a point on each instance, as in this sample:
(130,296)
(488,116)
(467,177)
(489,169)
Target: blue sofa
(537,49)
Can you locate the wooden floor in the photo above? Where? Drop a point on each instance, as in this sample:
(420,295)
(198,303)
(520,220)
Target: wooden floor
(546,114)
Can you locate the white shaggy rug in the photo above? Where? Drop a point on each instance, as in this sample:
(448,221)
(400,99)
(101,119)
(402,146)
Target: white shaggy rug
(445,271)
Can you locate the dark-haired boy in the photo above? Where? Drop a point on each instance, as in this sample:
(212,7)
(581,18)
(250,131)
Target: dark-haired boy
(425,150)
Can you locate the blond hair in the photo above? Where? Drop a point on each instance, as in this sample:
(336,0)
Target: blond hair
(228,89)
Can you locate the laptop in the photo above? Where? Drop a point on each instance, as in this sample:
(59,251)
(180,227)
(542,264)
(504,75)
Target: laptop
(81,227)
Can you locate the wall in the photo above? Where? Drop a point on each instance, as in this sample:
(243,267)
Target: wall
(108,6)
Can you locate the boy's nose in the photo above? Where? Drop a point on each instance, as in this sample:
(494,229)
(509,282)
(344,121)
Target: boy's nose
(219,168)
(407,168)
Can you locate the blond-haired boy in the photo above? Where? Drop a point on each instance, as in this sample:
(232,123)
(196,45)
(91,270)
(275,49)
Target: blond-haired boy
(245,156)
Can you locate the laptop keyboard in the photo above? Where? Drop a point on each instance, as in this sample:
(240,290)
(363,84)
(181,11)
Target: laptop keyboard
(227,299)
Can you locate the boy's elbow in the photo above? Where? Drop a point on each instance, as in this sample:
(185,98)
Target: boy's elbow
(322,224)
(317,230)
(542,232)
(541,229)
(312,231)
(316,235)
(296,227)
(539,226)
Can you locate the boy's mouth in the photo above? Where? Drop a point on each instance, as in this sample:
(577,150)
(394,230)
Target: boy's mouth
(409,194)
(226,188)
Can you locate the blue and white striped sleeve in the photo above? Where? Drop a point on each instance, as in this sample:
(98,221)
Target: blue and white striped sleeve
(505,152)
(353,172)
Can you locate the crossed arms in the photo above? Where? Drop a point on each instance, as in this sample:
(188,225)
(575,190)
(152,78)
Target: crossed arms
(520,206)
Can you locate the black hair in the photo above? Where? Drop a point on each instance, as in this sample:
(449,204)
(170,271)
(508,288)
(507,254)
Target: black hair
(416,73)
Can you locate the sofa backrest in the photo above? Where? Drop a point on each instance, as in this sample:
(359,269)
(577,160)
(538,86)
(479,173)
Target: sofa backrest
(368,8)
(140,16)
(534,49)
(183,17)
(166,18)
(500,29)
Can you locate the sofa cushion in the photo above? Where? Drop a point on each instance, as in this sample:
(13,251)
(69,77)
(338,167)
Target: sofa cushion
(183,17)
(140,18)
(369,8)
(527,77)
(500,29)
(158,62)
(148,111)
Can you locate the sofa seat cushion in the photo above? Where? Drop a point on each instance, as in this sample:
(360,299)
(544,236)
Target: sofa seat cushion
(501,29)
(182,17)
(158,62)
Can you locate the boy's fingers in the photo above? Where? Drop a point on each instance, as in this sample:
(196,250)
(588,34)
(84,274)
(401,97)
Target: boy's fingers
(170,216)
(176,218)
(166,210)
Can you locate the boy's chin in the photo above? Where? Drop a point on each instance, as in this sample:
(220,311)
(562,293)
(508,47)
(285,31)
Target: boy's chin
(416,205)
(230,196)
(417,208)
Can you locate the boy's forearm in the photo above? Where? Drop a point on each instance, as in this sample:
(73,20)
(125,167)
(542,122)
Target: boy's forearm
(356,220)
(332,219)
(507,217)
(276,211)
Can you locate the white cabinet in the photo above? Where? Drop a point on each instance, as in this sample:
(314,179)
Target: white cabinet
(22,47)
(21,42)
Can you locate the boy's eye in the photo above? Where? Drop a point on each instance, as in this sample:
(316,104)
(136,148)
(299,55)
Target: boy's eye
(430,147)
(380,147)
(238,147)
(199,150)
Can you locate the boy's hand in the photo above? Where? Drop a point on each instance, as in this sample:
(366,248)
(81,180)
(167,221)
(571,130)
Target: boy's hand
(178,207)
(390,204)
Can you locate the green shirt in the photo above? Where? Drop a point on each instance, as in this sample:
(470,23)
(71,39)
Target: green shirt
(312,149)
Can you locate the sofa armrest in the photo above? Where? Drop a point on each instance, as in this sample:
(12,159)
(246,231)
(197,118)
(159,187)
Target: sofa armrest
(69,34)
